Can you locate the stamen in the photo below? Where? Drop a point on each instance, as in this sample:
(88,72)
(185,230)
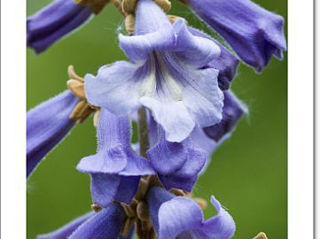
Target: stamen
(95,5)
(261,235)
(95,207)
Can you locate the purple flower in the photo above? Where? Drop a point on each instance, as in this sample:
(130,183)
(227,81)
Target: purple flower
(253,32)
(177,164)
(180,218)
(167,73)
(54,22)
(233,109)
(105,224)
(115,169)
(226,63)
(47,125)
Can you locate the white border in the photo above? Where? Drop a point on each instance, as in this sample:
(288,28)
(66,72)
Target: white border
(300,119)
(13,107)
(13,89)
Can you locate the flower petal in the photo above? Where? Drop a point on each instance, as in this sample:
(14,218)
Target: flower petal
(116,87)
(226,63)
(178,215)
(47,124)
(66,231)
(105,224)
(107,188)
(172,115)
(232,111)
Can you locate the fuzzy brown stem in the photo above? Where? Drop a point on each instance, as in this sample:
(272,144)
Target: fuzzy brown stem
(143,132)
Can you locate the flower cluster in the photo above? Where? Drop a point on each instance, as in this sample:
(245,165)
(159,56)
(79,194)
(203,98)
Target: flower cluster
(176,87)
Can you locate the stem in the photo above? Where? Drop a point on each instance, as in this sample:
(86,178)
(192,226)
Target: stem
(143,132)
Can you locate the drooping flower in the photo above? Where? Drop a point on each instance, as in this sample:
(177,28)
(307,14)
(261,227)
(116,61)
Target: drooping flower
(57,20)
(253,32)
(47,125)
(115,169)
(233,109)
(181,217)
(169,70)
(105,224)
(177,164)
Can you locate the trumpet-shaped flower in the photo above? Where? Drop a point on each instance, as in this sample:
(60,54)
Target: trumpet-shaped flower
(253,32)
(47,125)
(54,22)
(182,218)
(115,169)
(168,74)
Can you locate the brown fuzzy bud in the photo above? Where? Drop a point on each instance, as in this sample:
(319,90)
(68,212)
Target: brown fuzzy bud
(164,4)
(129,23)
(95,5)
(129,6)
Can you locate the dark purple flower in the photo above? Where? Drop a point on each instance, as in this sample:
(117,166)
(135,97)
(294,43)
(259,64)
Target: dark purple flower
(177,164)
(167,72)
(181,218)
(54,22)
(47,125)
(115,169)
(253,32)
(226,63)
(105,224)
(233,109)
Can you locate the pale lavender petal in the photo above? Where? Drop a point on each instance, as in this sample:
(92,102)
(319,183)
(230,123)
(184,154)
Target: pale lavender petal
(47,124)
(54,22)
(253,32)
(66,231)
(233,109)
(178,215)
(116,87)
(105,224)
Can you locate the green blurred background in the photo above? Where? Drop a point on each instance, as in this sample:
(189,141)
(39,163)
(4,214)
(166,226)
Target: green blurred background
(248,173)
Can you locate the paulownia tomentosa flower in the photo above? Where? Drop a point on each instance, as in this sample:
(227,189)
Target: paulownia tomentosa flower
(178,79)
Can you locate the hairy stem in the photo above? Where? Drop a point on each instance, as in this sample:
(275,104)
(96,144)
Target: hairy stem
(143,132)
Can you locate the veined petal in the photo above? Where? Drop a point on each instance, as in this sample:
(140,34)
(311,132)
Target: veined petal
(47,124)
(172,115)
(226,63)
(116,87)
(105,224)
(233,109)
(107,188)
(253,32)
(53,22)
(66,231)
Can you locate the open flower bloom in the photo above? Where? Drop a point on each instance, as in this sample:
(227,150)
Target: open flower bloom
(54,22)
(182,218)
(168,74)
(253,32)
(47,125)
(233,109)
(177,164)
(115,169)
(105,224)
